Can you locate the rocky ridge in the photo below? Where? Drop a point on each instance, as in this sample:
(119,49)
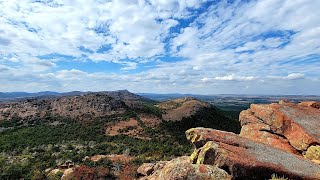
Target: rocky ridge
(86,106)
(277,139)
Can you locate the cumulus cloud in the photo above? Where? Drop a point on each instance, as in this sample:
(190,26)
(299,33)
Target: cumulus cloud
(232,77)
(292,76)
(165,46)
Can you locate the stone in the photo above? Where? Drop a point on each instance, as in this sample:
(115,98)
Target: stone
(299,124)
(68,174)
(146,169)
(182,168)
(313,153)
(247,159)
(313,104)
(261,133)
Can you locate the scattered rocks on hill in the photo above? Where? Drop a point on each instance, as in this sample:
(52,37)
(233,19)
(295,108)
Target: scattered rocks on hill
(278,139)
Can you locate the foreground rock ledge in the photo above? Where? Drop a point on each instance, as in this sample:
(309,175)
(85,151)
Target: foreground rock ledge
(280,139)
(288,126)
(225,155)
(244,158)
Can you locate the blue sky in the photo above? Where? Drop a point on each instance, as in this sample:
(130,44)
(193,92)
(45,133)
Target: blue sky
(161,46)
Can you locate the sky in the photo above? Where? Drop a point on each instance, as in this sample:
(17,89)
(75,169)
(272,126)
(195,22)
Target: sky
(161,46)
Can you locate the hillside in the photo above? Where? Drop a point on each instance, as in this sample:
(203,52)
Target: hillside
(103,124)
(88,106)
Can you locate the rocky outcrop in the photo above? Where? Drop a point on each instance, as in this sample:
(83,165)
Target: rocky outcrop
(313,104)
(182,168)
(288,126)
(148,168)
(280,139)
(244,158)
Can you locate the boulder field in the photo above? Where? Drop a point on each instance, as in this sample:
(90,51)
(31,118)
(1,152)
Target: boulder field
(279,139)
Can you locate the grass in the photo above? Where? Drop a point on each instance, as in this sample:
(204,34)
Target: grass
(276,177)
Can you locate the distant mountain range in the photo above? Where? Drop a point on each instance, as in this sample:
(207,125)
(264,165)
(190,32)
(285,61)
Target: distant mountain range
(16,95)
(233,102)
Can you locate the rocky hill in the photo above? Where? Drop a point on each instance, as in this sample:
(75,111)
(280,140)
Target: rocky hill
(276,140)
(58,134)
(88,106)
(178,109)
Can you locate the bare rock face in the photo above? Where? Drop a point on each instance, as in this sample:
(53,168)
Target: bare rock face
(313,104)
(224,155)
(182,168)
(288,126)
(244,158)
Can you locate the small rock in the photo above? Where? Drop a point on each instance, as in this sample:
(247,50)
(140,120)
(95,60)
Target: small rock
(313,153)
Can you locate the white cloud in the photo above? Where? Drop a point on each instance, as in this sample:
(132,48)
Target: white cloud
(292,76)
(244,42)
(295,76)
(232,77)
(129,27)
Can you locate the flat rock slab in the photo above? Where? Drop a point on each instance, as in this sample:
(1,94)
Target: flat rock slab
(243,158)
(297,123)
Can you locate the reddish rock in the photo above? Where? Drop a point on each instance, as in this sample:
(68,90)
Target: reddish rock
(313,104)
(148,168)
(299,124)
(246,159)
(247,117)
(272,141)
(253,128)
(182,168)
(261,133)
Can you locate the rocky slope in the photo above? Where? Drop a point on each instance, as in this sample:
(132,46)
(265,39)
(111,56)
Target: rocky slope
(75,105)
(82,107)
(278,139)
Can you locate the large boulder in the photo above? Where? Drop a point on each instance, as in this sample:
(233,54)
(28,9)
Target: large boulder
(283,125)
(147,169)
(182,168)
(313,104)
(247,159)
(261,132)
(313,153)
